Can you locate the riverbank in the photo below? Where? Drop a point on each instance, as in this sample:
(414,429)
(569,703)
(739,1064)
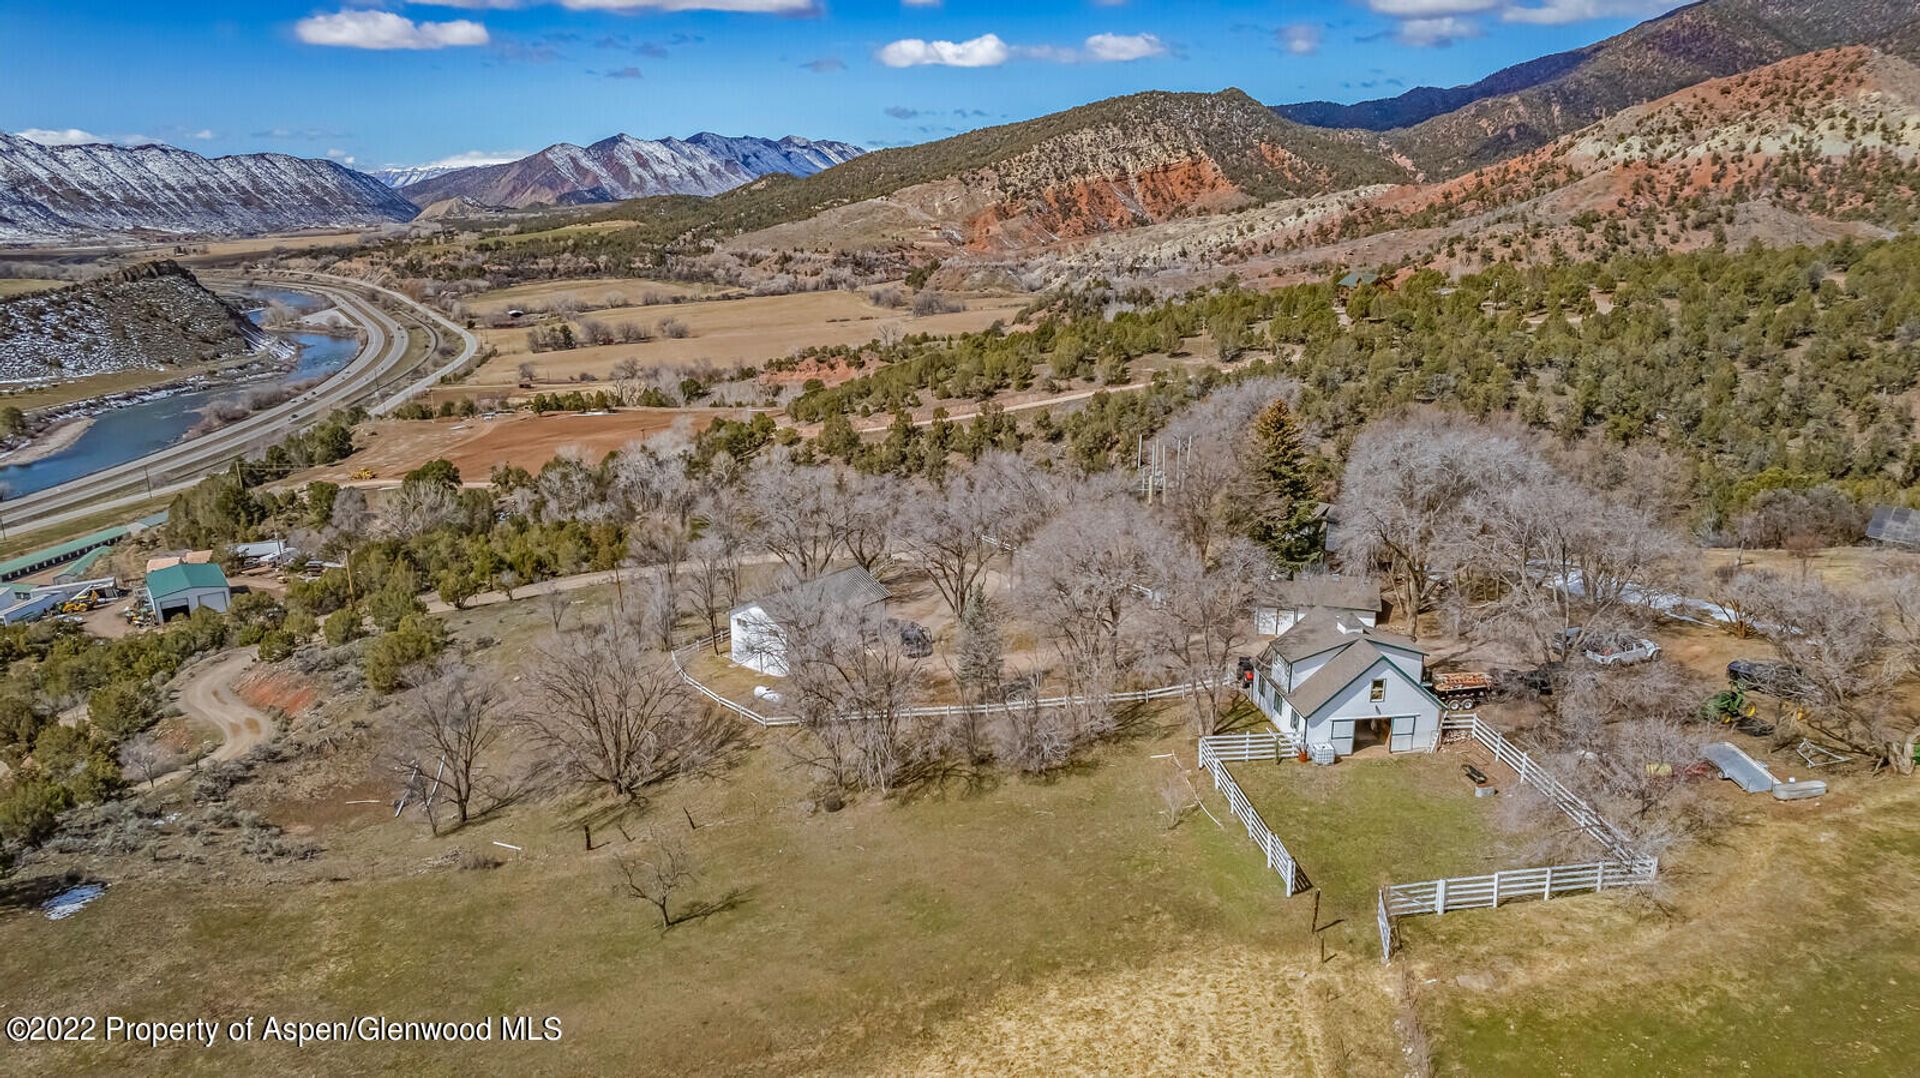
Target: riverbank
(54,439)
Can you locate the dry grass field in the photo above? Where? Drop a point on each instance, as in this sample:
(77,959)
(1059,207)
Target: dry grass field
(1847,566)
(728,333)
(22,286)
(391,448)
(592,292)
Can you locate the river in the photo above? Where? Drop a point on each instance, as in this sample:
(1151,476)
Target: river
(129,431)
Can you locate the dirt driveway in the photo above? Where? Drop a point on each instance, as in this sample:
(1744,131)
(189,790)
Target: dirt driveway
(207,695)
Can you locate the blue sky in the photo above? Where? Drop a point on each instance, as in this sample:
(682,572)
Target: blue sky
(390,82)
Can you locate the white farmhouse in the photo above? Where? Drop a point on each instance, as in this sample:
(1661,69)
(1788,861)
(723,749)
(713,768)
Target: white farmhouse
(757,638)
(1339,684)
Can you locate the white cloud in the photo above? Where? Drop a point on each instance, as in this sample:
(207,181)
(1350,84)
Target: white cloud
(203,134)
(919,3)
(341,156)
(1120,48)
(1437,32)
(385,30)
(987,50)
(1556,12)
(71,136)
(1426,9)
(751,7)
(471,159)
(1300,38)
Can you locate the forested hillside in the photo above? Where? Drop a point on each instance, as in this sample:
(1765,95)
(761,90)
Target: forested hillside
(1764,368)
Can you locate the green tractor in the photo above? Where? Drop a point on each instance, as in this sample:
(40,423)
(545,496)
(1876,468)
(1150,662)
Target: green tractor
(1727,707)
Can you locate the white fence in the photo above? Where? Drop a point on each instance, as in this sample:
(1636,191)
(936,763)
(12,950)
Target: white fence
(734,706)
(1627,869)
(1532,774)
(1488,892)
(1214,752)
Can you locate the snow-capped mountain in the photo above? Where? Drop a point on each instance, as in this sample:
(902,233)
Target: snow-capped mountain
(401,177)
(626,167)
(66,192)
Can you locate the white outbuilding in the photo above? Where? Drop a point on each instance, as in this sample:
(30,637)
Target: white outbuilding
(757,637)
(1356,597)
(1339,685)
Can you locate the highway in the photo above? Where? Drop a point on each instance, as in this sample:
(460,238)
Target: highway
(365,380)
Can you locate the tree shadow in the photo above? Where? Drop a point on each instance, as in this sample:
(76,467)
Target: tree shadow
(700,911)
(33,892)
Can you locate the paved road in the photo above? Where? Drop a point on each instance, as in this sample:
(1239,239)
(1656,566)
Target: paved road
(365,380)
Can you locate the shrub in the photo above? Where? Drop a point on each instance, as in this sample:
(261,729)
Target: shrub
(342,626)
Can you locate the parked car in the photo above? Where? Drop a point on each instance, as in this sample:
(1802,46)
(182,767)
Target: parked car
(1784,680)
(915,641)
(1612,649)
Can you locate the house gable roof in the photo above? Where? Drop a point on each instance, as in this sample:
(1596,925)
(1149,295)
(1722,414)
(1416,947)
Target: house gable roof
(852,586)
(1333,592)
(1322,630)
(185,576)
(1328,682)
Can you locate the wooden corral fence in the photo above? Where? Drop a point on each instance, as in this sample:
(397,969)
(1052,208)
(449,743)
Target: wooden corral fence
(734,706)
(1215,752)
(1532,774)
(1386,927)
(1627,868)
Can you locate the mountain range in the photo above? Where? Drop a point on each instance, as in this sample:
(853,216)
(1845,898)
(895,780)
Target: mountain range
(624,167)
(70,192)
(401,177)
(1147,159)
(1445,132)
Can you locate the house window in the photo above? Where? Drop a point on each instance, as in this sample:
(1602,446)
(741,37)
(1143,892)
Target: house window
(1379,690)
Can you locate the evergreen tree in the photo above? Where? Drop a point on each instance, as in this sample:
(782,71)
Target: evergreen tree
(1282,496)
(980,656)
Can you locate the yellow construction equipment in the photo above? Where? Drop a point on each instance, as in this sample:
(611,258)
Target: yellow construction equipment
(362,473)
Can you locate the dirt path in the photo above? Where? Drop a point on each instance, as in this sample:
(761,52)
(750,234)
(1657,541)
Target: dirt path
(597,578)
(208,696)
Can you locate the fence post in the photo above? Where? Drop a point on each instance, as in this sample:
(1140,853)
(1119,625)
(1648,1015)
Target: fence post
(1440,897)
(1496,890)
(1546,889)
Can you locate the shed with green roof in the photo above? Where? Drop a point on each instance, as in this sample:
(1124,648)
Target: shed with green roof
(186,587)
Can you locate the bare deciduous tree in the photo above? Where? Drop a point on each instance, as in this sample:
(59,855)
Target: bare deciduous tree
(1851,650)
(146,757)
(452,721)
(795,514)
(959,526)
(1085,578)
(1205,614)
(852,684)
(1408,484)
(666,870)
(615,712)
(1564,562)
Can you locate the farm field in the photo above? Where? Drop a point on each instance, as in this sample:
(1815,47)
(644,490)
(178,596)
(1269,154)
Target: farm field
(390,448)
(591,291)
(728,333)
(1846,566)
(21,286)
